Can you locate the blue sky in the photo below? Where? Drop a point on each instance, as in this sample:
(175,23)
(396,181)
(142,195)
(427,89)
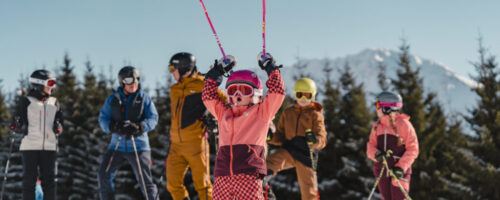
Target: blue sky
(146,33)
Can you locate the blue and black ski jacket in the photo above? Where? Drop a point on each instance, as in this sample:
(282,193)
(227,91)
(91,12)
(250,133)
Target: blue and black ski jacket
(136,107)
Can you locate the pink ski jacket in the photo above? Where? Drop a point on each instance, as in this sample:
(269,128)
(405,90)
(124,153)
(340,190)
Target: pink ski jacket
(383,138)
(243,129)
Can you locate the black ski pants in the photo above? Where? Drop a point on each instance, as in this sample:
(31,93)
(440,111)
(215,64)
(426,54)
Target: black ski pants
(32,161)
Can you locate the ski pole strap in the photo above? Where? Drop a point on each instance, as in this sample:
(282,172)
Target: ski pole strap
(213,29)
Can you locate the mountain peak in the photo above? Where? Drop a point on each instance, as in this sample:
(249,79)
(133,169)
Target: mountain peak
(453,90)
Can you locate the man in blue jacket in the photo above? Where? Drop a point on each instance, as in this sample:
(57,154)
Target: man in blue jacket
(128,115)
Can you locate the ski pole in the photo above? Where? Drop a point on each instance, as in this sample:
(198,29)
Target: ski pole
(376,183)
(213,30)
(139,168)
(207,159)
(264,30)
(311,154)
(113,154)
(388,154)
(56,170)
(391,173)
(7,164)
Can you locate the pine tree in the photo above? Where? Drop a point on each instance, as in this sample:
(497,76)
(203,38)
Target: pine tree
(4,113)
(347,148)
(428,119)
(383,81)
(70,166)
(485,122)
(13,186)
(160,137)
(300,68)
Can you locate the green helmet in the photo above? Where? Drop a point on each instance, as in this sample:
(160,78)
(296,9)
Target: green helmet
(305,85)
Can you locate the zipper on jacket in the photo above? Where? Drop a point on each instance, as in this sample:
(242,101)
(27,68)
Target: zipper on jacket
(297,124)
(44,121)
(385,139)
(231,145)
(41,115)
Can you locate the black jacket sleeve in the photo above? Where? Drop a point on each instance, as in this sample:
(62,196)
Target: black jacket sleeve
(59,115)
(20,117)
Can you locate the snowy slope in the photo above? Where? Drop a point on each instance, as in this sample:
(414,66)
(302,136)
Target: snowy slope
(453,90)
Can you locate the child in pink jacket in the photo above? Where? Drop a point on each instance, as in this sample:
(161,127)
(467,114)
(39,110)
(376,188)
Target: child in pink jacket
(393,131)
(243,126)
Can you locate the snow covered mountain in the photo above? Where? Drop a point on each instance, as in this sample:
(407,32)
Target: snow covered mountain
(453,90)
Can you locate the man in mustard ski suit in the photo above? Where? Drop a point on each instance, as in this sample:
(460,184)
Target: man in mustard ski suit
(189,148)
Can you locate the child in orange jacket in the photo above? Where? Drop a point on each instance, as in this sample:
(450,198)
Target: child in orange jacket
(243,125)
(393,131)
(299,126)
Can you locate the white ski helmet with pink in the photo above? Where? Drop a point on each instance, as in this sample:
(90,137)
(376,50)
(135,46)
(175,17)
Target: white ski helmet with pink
(247,77)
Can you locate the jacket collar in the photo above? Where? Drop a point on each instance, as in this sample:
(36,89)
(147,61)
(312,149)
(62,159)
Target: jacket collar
(386,119)
(313,106)
(122,94)
(195,77)
(38,95)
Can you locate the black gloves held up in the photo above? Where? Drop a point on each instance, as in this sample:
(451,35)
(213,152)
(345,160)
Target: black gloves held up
(220,68)
(268,63)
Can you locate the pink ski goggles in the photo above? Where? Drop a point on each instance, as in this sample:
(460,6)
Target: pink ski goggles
(388,104)
(243,90)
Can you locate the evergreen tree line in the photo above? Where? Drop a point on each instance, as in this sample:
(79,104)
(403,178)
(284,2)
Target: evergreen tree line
(451,164)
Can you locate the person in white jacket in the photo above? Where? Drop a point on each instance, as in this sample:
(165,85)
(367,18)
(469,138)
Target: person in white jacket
(39,116)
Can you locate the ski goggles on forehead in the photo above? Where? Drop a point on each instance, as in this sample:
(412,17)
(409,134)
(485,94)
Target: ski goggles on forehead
(130,80)
(380,105)
(48,83)
(243,90)
(300,95)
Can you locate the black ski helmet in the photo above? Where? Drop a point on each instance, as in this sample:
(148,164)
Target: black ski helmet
(183,61)
(41,78)
(128,72)
(389,102)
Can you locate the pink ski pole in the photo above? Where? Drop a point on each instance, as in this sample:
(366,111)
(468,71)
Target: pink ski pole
(213,30)
(264,30)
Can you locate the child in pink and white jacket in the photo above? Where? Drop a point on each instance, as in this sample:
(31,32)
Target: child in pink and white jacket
(243,126)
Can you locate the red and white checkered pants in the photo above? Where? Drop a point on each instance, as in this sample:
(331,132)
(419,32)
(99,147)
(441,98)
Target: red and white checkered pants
(240,187)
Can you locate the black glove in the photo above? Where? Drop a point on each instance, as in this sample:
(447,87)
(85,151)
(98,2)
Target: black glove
(270,135)
(220,68)
(398,172)
(57,127)
(114,127)
(379,156)
(120,127)
(16,126)
(211,124)
(268,64)
(310,137)
(132,128)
